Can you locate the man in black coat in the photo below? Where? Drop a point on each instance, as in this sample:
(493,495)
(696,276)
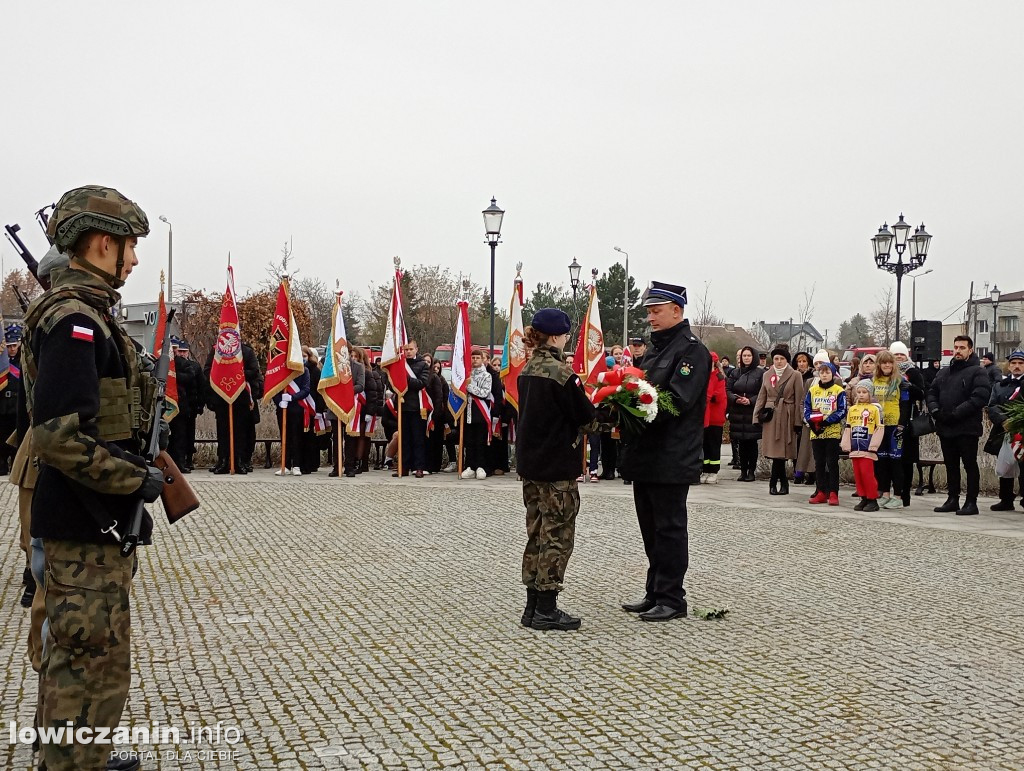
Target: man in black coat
(956,399)
(242,407)
(183,425)
(666,458)
(1009,389)
(988,363)
(414,423)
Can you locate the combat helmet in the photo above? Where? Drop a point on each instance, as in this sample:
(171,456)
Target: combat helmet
(93,207)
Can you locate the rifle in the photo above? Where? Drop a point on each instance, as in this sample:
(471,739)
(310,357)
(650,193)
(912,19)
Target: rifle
(177,497)
(19,246)
(23,300)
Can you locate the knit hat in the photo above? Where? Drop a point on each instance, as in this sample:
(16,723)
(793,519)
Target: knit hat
(990,357)
(899,347)
(784,352)
(821,357)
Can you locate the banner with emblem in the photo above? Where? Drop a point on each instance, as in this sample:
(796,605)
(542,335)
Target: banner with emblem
(336,377)
(284,360)
(589,357)
(171,388)
(392,355)
(513,357)
(227,374)
(462,350)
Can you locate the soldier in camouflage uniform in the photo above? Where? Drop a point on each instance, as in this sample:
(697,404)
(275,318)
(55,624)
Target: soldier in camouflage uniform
(86,387)
(554,411)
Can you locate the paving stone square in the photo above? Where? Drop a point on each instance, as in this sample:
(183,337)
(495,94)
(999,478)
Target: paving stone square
(374,623)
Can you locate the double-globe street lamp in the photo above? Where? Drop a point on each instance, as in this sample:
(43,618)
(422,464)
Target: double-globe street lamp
(492,228)
(899,236)
(913,296)
(994,295)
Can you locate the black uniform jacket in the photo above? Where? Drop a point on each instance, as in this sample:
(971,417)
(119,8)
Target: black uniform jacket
(553,410)
(957,397)
(670,450)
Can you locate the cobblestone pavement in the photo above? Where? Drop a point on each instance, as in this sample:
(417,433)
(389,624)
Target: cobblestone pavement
(373,623)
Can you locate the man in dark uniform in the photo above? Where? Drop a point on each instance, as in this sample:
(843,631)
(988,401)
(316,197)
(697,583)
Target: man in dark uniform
(242,406)
(197,397)
(86,388)
(183,425)
(9,397)
(1008,390)
(664,460)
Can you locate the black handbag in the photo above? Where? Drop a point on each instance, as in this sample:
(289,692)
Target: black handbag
(922,424)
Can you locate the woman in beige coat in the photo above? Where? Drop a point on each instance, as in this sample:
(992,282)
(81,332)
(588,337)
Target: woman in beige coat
(782,393)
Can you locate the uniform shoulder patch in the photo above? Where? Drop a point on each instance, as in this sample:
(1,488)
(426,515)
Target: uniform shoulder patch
(81,333)
(685,369)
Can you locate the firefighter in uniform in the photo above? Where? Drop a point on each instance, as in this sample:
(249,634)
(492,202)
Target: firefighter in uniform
(86,386)
(664,460)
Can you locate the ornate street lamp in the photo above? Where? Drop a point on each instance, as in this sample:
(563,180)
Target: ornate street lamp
(898,239)
(994,296)
(492,228)
(625,300)
(170,258)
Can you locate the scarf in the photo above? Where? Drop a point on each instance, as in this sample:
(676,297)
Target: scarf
(778,372)
(905,366)
(480,383)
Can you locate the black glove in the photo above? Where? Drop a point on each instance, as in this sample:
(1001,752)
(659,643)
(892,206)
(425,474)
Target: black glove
(165,434)
(152,485)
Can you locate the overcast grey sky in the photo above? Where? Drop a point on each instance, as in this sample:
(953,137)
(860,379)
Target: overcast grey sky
(754,145)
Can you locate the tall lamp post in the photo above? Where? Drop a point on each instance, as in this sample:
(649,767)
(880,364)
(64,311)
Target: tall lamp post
(492,228)
(170,258)
(625,301)
(883,242)
(574,282)
(995,294)
(913,301)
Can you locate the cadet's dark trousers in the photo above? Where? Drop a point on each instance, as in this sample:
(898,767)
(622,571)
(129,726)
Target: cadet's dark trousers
(826,464)
(957,449)
(475,439)
(661,512)
(180,443)
(712,449)
(293,431)
(414,442)
(748,455)
(609,455)
(243,418)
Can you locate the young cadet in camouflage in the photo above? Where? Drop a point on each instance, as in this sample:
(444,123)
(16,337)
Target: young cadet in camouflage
(554,412)
(86,387)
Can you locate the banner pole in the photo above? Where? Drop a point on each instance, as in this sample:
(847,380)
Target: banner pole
(462,437)
(401,398)
(284,437)
(231,436)
(340,434)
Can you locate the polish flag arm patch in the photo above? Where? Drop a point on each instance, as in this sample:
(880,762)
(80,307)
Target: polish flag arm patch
(81,333)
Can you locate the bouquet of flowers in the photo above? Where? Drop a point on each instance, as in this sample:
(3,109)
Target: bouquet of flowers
(636,401)
(1014,427)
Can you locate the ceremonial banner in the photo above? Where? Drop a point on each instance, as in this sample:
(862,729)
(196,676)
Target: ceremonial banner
(171,389)
(392,355)
(513,357)
(589,357)
(227,375)
(5,360)
(336,377)
(461,364)
(284,361)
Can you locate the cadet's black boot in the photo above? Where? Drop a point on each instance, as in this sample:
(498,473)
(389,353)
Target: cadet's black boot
(970,508)
(1002,506)
(531,606)
(30,589)
(784,486)
(549,616)
(952,504)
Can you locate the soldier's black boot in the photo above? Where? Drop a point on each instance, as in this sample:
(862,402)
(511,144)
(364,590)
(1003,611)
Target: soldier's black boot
(30,589)
(549,616)
(531,607)
(952,504)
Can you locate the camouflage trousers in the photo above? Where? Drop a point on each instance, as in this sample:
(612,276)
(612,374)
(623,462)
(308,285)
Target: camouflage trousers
(551,509)
(86,665)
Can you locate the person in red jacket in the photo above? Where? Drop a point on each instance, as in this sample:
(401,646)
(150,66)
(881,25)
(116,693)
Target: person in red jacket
(714,420)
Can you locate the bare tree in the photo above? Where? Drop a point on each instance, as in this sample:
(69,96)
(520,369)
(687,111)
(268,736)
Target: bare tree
(882,322)
(760,334)
(806,310)
(704,315)
(320,300)
(275,270)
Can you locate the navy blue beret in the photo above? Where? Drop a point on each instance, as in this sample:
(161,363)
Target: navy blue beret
(551,321)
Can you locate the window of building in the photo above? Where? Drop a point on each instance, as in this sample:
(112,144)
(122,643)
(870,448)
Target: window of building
(982,326)
(1010,323)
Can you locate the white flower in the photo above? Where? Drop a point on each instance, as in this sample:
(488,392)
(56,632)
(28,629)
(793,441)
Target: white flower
(650,410)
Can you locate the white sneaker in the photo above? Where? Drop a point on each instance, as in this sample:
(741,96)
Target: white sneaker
(282,472)
(481,474)
(468,474)
(712,479)
(296,471)
(450,468)
(703,479)
(426,473)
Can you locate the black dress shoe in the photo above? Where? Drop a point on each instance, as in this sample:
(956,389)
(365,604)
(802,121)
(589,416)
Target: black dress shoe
(1001,506)
(332,473)
(662,613)
(970,508)
(221,470)
(643,606)
(350,474)
(952,504)
(773,489)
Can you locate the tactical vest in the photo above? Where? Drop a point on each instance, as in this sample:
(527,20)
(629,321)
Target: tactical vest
(125,410)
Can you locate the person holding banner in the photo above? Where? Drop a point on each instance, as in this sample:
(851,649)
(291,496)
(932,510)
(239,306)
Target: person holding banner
(554,411)
(361,426)
(414,414)
(480,390)
(290,401)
